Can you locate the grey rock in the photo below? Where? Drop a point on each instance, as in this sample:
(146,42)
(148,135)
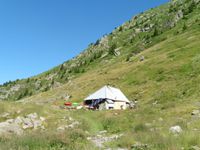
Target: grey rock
(18,120)
(37,124)
(61,128)
(179,15)
(142,58)
(195,148)
(32,116)
(100,139)
(72,125)
(5,115)
(42,119)
(175,129)
(139,146)
(7,128)
(103,132)
(16,126)
(27,123)
(10,120)
(195,112)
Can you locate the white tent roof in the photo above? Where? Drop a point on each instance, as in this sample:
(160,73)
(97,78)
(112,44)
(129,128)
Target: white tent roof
(108,92)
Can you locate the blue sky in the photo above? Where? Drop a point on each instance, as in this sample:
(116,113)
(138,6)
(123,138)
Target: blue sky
(36,35)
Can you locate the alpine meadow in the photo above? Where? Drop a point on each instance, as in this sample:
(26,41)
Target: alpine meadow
(154,58)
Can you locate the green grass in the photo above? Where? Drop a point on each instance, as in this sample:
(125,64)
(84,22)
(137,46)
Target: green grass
(169,76)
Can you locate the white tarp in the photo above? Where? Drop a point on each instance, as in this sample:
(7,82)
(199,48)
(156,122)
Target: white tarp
(108,92)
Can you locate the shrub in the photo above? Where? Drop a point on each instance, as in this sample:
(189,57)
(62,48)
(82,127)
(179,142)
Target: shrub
(155,32)
(140,128)
(184,27)
(112,49)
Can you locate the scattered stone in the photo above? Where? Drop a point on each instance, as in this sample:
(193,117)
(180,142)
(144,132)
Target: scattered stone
(5,115)
(160,119)
(179,15)
(79,107)
(195,112)
(139,146)
(18,120)
(37,124)
(27,123)
(155,103)
(10,120)
(195,148)
(116,149)
(175,129)
(42,119)
(117,52)
(32,116)
(7,128)
(115,114)
(71,119)
(137,30)
(62,128)
(148,124)
(72,125)
(18,111)
(142,58)
(100,139)
(17,125)
(103,132)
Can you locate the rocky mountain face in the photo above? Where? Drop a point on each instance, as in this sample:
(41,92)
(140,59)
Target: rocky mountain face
(141,32)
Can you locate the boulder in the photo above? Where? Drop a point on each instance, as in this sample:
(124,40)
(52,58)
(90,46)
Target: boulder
(7,128)
(5,115)
(142,58)
(32,116)
(179,15)
(27,123)
(16,126)
(72,125)
(37,124)
(139,146)
(103,132)
(79,107)
(195,112)
(195,148)
(18,120)
(175,129)
(10,120)
(42,119)
(61,128)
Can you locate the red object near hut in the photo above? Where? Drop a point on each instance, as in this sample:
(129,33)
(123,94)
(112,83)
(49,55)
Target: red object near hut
(68,104)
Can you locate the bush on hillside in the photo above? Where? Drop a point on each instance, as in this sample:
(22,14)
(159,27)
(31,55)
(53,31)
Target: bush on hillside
(112,49)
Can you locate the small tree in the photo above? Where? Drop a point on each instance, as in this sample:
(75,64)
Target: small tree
(191,7)
(61,67)
(28,80)
(184,27)
(155,32)
(112,49)
(120,28)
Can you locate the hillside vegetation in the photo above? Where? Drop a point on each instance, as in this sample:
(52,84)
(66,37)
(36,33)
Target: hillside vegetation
(154,58)
(141,32)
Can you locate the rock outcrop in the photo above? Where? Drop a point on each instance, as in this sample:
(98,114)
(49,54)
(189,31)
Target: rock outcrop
(20,124)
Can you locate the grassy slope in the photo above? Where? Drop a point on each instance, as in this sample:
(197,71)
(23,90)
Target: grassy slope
(139,33)
(169,75)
